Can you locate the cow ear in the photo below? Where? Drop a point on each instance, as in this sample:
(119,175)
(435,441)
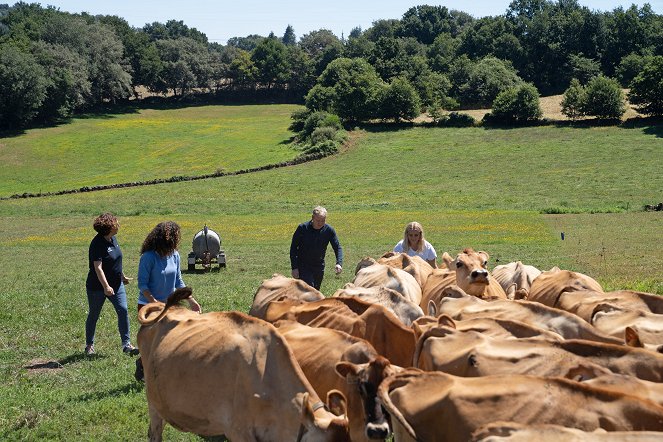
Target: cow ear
(484,257)
(632,338)
(345,369)
(406,260)
(448,261)
(432,308)
(337,403)
(511,291)
(446,321)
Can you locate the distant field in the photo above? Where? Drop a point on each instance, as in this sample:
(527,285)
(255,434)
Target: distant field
(144,145)
(510,192)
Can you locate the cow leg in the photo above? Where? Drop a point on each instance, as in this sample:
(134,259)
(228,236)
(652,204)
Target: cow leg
(155,433)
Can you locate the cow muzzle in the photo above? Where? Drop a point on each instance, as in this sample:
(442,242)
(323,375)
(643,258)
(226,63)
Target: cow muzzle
(377,430)
(479,277)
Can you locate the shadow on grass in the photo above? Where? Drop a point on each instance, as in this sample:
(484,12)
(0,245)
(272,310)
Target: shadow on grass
(130,388)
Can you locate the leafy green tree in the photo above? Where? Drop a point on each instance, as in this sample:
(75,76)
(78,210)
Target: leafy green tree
(23,86)
(350,88)
(628,31)
(604,98)
(647,88)
(399,101)
(425,23)
(247,43)
(486,80)
(629,67)
(67,80)
(583,68)
(289,38)
(271,62)
(187,65)
(173,30)
(382,28)
(108,71)
(301,72)
(517,105)
(442,52)
(322,46)
(241,70)
(573,100)
(359,47)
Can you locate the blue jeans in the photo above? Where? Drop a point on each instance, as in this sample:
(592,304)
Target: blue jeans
(312,276)
(95,300)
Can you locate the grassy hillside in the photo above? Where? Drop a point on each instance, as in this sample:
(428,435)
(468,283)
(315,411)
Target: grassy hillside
(488,189)
(144,145)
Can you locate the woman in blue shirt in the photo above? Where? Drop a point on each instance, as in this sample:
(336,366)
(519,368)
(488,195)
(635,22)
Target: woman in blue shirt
(159,271)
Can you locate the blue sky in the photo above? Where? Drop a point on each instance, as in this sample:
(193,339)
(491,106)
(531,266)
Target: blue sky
(221,20)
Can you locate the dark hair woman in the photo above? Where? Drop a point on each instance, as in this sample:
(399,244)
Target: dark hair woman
(105,280)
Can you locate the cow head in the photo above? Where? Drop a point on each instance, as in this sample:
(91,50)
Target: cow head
(471,271)
(324,422)
(367,377)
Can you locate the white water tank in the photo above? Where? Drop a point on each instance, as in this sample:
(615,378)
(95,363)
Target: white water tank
(207,240)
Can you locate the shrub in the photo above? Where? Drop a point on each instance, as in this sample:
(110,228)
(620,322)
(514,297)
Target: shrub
(298,119)
(647,88)
(517,105)
(327,147)
(321,134)
(604,98)
(456,119)
(573,100)
(399,101)
(629,68)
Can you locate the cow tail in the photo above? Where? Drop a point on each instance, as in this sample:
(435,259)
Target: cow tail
(173,299)
(390,383)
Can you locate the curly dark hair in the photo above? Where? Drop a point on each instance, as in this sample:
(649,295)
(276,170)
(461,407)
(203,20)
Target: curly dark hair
(163,239)
(104,223)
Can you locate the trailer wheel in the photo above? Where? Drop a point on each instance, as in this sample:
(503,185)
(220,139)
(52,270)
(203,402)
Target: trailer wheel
(192,267)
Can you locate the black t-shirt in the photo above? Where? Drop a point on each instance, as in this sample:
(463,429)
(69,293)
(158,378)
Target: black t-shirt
(309,246)
(110,255)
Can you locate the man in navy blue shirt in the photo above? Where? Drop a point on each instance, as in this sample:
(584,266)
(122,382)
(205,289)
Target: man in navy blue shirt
(309,246)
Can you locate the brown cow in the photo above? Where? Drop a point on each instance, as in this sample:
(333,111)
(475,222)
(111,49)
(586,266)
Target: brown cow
(565,324)
(468,353)
(614,312)
(229,373)
(469,272)
(513,432)
(318,350)
(414,265)
(405,310)
(493,327)
(436,406)
(365,320)
(377,275)
(279,287)
(549,286)
(515,276)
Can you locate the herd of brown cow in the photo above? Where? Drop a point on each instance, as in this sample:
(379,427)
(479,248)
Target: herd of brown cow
(448,354)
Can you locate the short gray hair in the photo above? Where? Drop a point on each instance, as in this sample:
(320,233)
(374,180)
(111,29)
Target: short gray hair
(319,210)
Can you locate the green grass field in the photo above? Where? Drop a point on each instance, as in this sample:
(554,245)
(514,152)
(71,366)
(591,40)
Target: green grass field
(145,145)
(474,187)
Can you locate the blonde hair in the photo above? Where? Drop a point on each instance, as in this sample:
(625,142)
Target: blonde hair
(413,227)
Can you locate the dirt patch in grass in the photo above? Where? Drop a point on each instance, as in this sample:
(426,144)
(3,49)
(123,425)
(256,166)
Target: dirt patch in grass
(38,366)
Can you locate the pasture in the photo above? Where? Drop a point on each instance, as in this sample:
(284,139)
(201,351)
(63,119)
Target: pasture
(510,192)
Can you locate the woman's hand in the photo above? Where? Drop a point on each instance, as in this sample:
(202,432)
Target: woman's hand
(108,291)
(126,280)
(193,304)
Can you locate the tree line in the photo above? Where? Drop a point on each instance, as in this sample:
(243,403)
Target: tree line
(55,64)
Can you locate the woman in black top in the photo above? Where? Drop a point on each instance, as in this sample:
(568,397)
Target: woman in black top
(105,280)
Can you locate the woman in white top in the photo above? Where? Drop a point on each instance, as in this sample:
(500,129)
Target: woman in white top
(417,245)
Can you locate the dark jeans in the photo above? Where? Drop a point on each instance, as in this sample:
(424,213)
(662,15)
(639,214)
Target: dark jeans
(95,300)
(312,276)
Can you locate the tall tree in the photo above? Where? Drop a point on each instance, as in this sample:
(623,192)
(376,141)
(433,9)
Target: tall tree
(23,86)
(289,37)
(270,59)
